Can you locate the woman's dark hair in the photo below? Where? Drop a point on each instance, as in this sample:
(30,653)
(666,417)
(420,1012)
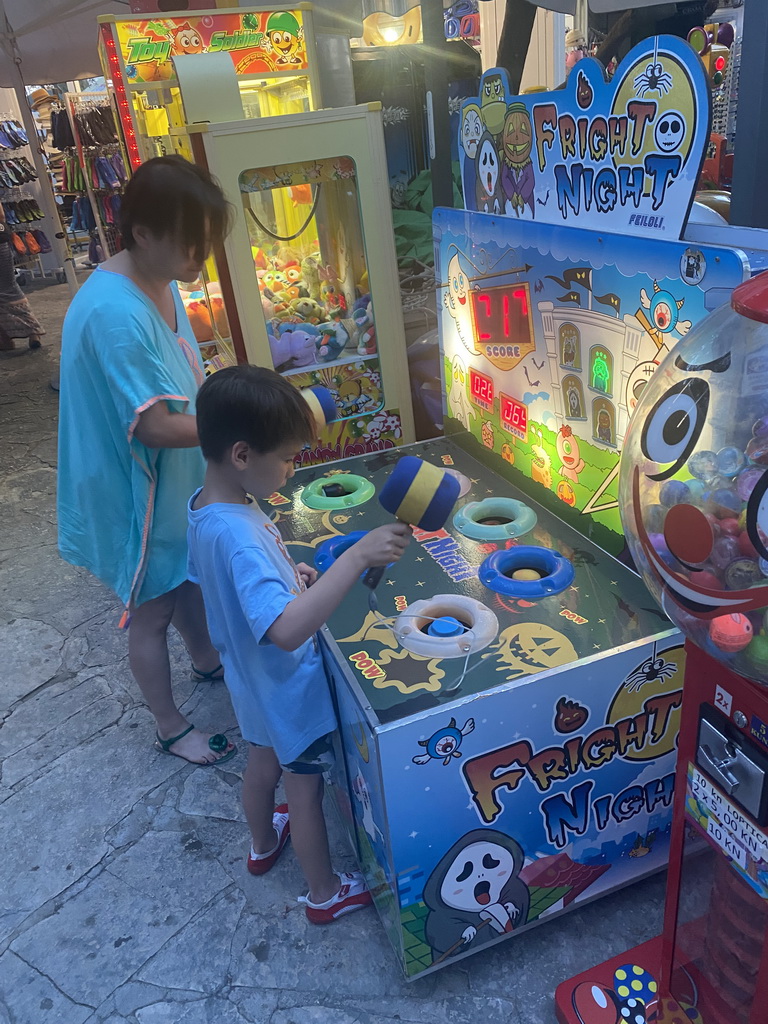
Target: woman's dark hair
(171,196)
(251,404)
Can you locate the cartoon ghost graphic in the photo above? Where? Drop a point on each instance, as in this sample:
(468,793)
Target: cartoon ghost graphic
(458,402)
(457,301)
(474,893)
(488,194)
(517,177)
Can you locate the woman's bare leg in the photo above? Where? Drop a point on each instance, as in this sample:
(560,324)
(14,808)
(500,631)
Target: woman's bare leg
(150,665)
(189,619)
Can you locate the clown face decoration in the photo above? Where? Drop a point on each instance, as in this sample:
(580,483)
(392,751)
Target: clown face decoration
(694,483)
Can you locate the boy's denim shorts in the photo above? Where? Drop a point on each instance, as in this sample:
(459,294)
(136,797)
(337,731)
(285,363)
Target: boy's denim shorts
(316,759)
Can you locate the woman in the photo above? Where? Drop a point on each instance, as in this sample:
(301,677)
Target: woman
(128,446)
(16,318)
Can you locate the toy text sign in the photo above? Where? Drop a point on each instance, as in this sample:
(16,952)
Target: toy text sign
(620,156)
(258,41)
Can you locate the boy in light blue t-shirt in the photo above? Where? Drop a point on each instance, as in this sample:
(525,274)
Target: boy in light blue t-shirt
(263,612)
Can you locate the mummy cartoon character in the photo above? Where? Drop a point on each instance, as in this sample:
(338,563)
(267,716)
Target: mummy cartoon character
(488,194)
(475,893)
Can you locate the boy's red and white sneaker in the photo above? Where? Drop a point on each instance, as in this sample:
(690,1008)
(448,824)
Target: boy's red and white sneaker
(353,894)
(261,863)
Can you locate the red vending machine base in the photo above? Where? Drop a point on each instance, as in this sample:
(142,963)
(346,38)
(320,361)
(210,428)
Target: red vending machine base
(710,965)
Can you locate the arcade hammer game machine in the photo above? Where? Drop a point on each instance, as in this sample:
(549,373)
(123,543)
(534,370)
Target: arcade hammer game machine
(706,567)
(509,695)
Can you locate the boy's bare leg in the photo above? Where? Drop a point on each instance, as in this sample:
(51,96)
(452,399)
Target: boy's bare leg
(150,665)
(189,619)
(309,835)
(262,774)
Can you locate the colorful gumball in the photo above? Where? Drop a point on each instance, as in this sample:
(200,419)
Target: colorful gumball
(731,633)
(595,1004)
(634,982)
(730,527)
(632,1011)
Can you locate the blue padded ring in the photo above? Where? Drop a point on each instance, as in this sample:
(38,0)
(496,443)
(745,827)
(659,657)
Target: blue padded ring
(556,572)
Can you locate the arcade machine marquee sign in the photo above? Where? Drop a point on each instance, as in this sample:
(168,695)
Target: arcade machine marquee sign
(565,282)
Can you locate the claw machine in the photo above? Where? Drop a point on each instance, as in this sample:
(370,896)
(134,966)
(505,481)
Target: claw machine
(308,272)
(275,69)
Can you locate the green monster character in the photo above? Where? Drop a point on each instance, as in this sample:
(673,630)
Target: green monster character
(285,36)
(517,178)
(493,103)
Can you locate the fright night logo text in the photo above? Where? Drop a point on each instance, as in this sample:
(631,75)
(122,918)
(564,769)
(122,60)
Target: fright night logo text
(613,141)
(639,737)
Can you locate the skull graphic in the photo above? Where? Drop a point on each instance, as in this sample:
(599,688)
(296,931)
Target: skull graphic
(669,131)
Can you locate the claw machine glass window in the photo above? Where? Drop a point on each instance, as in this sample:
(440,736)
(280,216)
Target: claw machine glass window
(312,266)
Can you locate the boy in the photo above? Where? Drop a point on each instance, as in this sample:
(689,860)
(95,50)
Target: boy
(263,612)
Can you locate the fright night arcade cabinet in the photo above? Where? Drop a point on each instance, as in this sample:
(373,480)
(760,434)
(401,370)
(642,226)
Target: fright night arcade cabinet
(509,711)
(702,428)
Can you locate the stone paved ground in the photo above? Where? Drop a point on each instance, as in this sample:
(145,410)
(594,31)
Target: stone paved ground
(123,890)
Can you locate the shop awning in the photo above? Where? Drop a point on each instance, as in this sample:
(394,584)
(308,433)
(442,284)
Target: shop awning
(56,39)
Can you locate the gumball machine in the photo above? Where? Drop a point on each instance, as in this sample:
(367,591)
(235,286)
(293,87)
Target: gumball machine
(694,495)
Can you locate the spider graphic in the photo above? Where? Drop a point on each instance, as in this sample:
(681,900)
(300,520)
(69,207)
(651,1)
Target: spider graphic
(650,670)
(653,79)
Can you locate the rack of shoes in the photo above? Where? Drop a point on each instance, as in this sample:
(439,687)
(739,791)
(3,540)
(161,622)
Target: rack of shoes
(93,170)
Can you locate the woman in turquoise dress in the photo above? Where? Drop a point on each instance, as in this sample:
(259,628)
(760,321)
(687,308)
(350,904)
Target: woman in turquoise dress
(128,447)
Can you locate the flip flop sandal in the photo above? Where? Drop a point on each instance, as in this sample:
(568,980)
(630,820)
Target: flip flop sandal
(208,677)
(216,743)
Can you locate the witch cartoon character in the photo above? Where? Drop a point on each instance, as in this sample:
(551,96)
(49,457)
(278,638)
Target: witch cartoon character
(517,177)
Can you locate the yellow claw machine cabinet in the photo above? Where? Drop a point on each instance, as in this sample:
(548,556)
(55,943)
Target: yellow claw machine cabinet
(308,272)
(273,55)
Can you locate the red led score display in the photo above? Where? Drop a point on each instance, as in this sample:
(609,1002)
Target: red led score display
(481,389)
(514,416)
(502,324)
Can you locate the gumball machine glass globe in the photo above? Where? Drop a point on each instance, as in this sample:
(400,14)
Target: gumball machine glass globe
(693,488)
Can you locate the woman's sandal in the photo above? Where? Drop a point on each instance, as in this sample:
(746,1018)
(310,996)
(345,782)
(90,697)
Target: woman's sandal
(216,743)
(214,676)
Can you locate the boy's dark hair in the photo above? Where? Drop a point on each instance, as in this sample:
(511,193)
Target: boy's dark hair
(251,404)
(171,196)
